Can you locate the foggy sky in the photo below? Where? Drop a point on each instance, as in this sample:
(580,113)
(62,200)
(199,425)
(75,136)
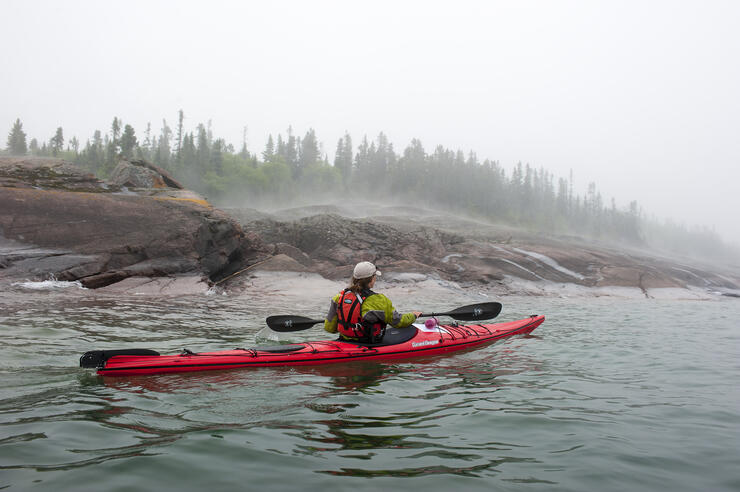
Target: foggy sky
(639,96)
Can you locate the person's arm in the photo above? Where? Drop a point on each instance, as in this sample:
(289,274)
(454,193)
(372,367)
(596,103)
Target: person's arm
(379,305)
(330,322)
(399,320)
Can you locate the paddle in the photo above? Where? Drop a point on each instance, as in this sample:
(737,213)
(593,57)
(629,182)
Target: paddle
(288,322)
(473,312)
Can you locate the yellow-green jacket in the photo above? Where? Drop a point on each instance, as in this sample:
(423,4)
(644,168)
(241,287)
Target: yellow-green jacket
(376,308)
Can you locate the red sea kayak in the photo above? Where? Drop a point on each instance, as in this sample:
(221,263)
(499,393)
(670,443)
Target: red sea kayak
(413,341)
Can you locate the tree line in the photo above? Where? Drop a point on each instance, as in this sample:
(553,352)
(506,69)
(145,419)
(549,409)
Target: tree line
(293,167)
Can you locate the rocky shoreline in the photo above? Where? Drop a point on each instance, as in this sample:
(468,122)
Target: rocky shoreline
(57,221)
(142,230)
(414,245)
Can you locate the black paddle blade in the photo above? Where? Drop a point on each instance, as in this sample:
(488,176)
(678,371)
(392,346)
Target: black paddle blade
(477,312)
(473,312)
(287,322)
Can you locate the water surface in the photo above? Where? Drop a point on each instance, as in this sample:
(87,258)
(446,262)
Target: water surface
(607,394)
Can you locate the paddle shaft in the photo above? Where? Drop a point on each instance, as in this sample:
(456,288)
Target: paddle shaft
(473,312)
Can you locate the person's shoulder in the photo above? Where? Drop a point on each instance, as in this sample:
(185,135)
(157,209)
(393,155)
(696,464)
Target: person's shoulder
(337,296)
(379,297)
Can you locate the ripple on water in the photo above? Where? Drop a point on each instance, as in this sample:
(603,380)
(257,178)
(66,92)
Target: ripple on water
(606,395)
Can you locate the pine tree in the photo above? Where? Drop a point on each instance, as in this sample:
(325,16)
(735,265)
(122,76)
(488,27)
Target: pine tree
(34,147)
(217,156)
(178,149)
(280,148)
(57,142)
(291,152)
(188,152)
(361,159)
(92,154)
(202,153)
(115,131)
(309,150)
(147,146)
(74,144)
(128,142)
(244,153)
(17,139)
(162,156)
(112,145)
(269,152)
(343,158)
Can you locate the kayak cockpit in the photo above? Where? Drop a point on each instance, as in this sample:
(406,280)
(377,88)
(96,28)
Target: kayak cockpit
(392,336)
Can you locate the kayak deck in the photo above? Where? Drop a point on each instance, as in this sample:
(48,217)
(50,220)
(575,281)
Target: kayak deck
(419,342)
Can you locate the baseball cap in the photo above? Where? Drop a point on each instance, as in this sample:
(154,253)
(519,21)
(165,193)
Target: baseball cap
(365,269)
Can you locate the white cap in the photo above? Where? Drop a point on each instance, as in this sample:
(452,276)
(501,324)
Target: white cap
(365,269)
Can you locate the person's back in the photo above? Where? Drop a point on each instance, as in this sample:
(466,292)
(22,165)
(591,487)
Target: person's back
(358,313)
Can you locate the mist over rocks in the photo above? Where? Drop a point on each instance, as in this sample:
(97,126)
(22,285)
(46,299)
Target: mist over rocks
(411,245)
(56,220)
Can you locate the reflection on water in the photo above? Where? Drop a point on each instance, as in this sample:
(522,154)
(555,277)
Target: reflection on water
(605,395)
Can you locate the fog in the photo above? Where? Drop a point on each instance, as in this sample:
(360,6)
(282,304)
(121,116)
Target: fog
(639,97)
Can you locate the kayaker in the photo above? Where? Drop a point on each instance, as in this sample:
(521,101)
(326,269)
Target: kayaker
(358,313)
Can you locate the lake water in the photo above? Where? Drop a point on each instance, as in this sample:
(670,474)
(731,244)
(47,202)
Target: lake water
(608,394)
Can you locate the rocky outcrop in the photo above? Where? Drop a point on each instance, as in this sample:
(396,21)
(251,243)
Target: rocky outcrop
(469,252)
(139,173)
(331,244)
(57,220)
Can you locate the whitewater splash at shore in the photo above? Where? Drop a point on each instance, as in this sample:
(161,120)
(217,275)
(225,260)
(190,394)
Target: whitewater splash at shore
(50,284)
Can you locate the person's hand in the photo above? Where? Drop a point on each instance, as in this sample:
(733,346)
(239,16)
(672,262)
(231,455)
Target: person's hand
(417,313)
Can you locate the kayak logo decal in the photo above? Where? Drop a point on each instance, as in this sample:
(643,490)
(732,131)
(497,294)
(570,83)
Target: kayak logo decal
(428,342)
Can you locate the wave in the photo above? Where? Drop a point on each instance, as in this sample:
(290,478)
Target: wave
(50,284)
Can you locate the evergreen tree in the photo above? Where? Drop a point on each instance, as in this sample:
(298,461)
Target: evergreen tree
(217,157)
(380,160)
(188,152)
(244,153)
(280,149)
(178,148)
(202,153)
(112,146)
(162,156)
(115,128)
(147,146)
(269,152)
(361,159)
(57,142)
(74,144)
(343,158)
(17,139)
(128,142)
(92,154)
(34,147)
(309,150)
(291,153)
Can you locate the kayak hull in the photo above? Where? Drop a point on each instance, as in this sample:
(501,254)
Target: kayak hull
(449,338)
